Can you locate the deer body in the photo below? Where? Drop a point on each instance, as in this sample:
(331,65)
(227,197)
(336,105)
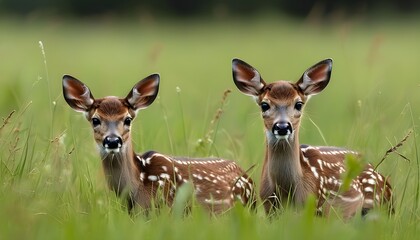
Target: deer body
(292,172)
(145,177)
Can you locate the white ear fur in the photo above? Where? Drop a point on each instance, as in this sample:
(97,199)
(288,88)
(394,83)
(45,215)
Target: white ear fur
(316,78)
(77,94)
(144,92)
(255,81)
(306,81)
(246,78)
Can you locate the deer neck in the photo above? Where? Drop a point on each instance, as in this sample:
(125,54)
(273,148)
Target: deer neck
(283,167)
(119,169)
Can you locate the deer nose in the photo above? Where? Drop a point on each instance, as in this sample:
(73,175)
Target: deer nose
(112,142)
(282,128)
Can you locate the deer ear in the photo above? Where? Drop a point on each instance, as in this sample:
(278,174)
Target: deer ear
(77,94)
(246,78)
(144,92)
(316,78)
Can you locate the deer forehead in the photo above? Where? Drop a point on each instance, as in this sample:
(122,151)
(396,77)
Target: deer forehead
(282,92)
(111,108)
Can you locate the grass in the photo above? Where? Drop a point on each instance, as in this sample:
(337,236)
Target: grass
(52,185)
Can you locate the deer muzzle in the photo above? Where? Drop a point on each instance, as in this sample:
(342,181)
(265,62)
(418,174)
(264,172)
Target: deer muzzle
(112,143)
(282,129)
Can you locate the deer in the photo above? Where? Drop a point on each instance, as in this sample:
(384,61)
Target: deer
(217,183)
(292,172)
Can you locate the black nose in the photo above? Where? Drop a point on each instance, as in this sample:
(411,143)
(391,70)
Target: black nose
(282,128)
(112,142)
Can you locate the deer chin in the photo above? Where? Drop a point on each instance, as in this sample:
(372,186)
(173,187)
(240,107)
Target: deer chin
(282,137)
(277,138)
(104,151)
(112,150)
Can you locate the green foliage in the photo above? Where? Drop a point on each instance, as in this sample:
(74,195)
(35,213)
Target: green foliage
(52,185)
(353,167)
(183,199)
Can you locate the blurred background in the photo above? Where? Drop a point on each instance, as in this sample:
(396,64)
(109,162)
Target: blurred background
(217,8)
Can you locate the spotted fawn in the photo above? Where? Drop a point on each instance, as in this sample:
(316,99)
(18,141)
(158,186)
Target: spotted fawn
(292,172)
(217,183)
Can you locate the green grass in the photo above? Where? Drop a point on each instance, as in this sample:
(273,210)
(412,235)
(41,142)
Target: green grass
(52,184)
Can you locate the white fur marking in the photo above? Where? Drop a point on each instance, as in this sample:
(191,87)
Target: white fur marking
(217,201)
(152,178)
(198,176)
(165,176)
(320,162)
(371,181)
(313,169)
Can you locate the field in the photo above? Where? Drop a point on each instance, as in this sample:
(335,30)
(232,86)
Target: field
(52,185)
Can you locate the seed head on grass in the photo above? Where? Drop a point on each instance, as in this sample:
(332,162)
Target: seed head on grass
(7,120)
(394,150)
(209,138)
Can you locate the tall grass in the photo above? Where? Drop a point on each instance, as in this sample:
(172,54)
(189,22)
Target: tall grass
(52,185)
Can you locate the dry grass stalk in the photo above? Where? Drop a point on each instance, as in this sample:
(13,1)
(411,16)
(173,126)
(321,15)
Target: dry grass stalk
(394,149)
(7,119)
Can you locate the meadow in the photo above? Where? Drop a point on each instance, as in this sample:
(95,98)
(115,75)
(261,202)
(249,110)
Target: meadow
(51,181)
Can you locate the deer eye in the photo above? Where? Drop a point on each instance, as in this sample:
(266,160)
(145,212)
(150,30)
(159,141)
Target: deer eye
(264,106)
(127,121)
(298,106)
(96,122)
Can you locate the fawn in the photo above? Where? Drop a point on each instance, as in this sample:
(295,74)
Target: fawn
(292,171)
(217,182)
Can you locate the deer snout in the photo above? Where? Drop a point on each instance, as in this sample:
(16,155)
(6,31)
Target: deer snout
(112,143)
(282,129)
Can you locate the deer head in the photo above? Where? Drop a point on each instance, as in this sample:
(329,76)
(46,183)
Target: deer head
(110,117)
(281,102)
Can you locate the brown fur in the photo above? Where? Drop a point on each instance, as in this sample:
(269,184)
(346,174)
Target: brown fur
(292,172)
(153,177)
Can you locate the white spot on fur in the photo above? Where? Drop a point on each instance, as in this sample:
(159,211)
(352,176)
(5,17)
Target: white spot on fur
(198,176)
(152,178)
(217,201)
(313,169)
(165,176)
(320,162)
(371,181)
(248,193)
